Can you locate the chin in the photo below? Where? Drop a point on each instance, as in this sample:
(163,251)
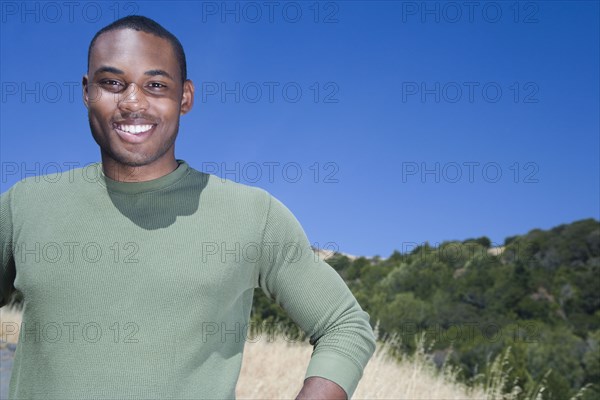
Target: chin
(130,159)
(133,161)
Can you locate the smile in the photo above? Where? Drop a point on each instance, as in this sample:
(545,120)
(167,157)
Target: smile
(134,129)
(134,133)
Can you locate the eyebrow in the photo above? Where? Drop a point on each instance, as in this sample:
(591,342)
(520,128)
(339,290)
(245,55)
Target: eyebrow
(159,72)
(152,72)
(108,69)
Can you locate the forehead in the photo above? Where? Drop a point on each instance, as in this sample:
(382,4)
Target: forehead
(130,50)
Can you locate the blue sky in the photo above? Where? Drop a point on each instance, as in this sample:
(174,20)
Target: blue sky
(379,124)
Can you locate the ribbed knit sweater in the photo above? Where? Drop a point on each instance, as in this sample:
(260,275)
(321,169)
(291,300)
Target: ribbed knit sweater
(144,290)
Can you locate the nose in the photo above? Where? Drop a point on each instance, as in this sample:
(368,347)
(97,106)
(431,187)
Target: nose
(133,99)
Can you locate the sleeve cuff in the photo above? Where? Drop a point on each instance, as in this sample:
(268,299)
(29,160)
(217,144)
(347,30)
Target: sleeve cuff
(336,368)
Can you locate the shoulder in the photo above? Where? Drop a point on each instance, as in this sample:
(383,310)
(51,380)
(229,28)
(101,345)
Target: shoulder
(241,197)
(230,191)
(248,197)
(44,186)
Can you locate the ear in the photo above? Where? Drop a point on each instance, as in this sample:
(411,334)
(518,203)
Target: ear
(86,95)
(187,100)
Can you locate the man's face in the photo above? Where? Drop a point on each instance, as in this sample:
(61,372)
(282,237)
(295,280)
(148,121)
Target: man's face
(134,95)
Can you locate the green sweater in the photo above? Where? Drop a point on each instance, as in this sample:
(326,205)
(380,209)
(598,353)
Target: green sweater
(144,290)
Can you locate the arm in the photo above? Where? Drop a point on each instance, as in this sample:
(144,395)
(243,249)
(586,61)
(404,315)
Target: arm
(314,295)
(316,387)
(7,262)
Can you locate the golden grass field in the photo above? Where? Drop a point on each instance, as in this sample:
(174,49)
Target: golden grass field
(274,368)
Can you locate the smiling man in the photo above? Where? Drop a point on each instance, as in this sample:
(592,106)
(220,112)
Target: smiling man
(138,274)
(135,91)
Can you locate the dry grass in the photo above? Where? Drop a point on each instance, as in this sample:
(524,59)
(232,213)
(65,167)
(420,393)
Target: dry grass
(274,368)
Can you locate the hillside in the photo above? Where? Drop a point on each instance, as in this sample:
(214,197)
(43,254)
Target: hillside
(537,296)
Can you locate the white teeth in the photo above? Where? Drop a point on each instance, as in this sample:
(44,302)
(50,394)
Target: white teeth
(134,129)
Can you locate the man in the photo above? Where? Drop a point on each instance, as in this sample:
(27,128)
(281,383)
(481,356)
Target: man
(138,273)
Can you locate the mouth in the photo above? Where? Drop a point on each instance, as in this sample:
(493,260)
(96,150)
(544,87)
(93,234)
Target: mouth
(134,132)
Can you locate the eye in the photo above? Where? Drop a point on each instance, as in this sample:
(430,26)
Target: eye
(157,85)
(112,85)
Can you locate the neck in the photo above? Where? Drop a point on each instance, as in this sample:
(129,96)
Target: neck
(126,173)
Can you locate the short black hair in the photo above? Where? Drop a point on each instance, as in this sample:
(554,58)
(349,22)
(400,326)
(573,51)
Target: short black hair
(145,24)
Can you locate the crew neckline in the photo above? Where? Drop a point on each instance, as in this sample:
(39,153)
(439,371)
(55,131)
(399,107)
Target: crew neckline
(145,186)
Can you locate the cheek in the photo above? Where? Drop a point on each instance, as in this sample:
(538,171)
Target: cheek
(102,107)
(168,111)
(94,95)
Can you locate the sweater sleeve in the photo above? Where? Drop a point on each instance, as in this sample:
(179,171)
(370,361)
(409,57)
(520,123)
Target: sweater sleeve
(7,262)
(317,299)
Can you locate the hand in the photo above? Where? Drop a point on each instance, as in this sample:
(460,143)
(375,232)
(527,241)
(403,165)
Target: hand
(316,387)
